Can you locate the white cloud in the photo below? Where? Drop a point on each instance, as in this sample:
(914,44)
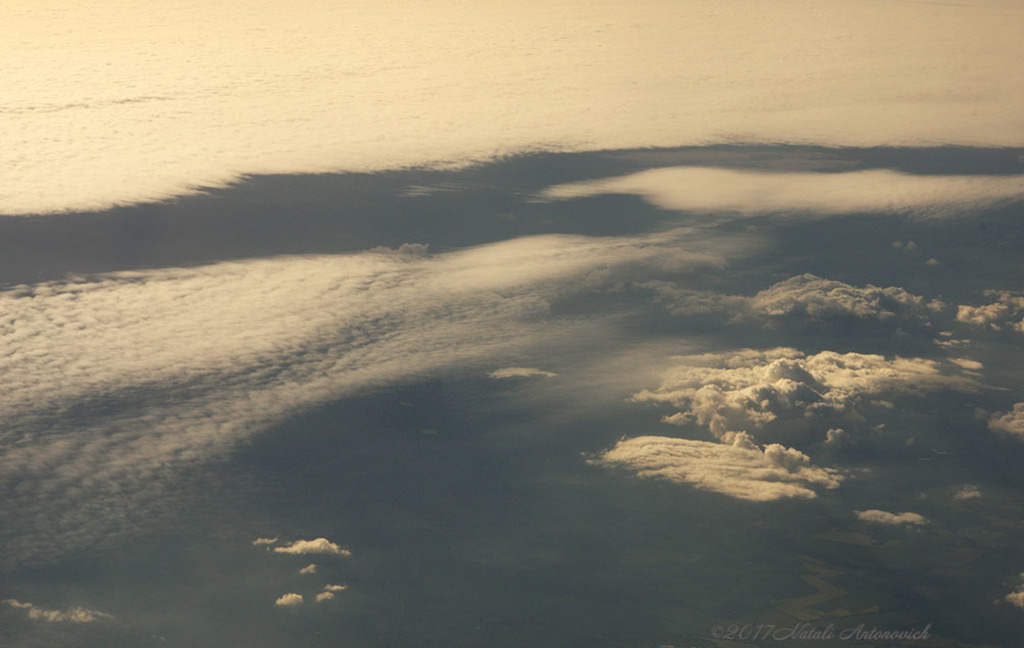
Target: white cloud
(1016,597)
(113,381)
(1011,423)
(308,569)
(324,596)
(817,298)
(813,195)
(318,546)
(739,469)
(874,516)
(520,372)
(1006,309)
(74,614)
(264,541)
(805,295)
(744,390)
(289,600)
(335,588)
(185,95)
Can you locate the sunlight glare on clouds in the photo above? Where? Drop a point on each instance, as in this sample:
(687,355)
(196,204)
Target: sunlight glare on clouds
(107,104)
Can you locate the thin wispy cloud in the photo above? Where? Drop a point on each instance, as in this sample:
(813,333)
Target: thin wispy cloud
(807,195)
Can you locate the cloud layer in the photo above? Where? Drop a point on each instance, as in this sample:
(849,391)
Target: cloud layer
(112,381)
(708,189)
(740,469)
(184,95)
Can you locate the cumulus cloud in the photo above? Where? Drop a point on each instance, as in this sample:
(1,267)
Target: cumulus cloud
(520,372)
(739,469)
(874,516)
(318,546)
(1010,423)
(289,600)
(324,596)
(112,381)
(335,588)
(804,296)
(812,195)
(308,569)
(744,390)
(264,541)
(968,364)
(73,615)
(1005,310)
(172,102)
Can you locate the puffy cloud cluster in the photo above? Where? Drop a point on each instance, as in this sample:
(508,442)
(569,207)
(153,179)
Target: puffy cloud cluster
(874,516)
(112,381)
(329,591)
(803,296)
(317,546)
(73,615)
(806,195)
(1005,310)
(308,569)
(1010,423)
(744,390)
(520,372)
(738,469)
(166,101)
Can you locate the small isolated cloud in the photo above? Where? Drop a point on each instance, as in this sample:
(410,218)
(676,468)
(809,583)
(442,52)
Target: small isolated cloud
(289,600)
(1011,423)
(739,469)
(317,546)
(308,569)
(520,372)
(73,614)
(1016,597)
(324,596)
(335,588)
(264,541)
(745,389)
(966,492)
(874,516)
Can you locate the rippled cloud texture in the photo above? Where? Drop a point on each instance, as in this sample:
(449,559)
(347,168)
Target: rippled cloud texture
(115,379)
(105,104)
